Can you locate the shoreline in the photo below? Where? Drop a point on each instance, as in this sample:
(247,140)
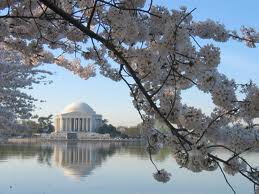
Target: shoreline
(40,140)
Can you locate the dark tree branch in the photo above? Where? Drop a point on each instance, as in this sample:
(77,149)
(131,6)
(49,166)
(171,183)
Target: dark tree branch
(226,178)
(92,15)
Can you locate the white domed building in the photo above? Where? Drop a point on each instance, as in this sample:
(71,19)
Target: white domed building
(77,117)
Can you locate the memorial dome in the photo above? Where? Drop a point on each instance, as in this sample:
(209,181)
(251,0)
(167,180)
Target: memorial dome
(78,107)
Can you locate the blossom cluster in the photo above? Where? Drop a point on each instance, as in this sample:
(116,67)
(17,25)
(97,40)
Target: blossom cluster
(162,176)
(15,76)
(196,160)
(234,166)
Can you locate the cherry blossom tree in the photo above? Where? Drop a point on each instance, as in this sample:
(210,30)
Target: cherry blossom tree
(157,54)
(15,77)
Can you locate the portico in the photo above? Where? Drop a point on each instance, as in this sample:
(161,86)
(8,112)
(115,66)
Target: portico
(77,117)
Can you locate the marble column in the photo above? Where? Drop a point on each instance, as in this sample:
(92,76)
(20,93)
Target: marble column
(88,124)
(90,120)
(68,124)
(81,124)
(77,124)
(84,127)
(65,124)
(74,124)
(61,124)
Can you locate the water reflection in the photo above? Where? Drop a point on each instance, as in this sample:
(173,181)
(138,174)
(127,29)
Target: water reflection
(25,151)
(51,168)
(80,159)
(76,159)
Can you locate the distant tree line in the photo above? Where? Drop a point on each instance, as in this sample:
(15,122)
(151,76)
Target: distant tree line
(133,131)
(121,131)
(41,125)
(110,129)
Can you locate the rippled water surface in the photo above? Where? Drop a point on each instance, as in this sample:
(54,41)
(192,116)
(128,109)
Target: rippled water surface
(108,168)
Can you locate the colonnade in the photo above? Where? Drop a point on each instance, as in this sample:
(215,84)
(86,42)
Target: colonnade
(73,124)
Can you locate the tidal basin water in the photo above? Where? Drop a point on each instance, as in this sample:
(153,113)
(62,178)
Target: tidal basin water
(103,168)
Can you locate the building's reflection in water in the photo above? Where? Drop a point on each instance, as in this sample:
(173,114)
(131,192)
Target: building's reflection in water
(76,159)
(80,159)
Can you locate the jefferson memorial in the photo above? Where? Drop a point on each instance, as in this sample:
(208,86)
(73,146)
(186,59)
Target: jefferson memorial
(77,117)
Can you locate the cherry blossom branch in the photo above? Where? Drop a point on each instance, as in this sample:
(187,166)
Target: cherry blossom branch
(111,47)
(130,9)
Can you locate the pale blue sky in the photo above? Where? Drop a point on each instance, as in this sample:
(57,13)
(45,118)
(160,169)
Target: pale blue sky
(112,99)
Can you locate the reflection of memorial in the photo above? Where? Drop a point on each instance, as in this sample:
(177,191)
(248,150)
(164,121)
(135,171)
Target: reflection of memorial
(80,159)
(76,159)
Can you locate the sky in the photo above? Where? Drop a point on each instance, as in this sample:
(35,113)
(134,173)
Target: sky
(112,99)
